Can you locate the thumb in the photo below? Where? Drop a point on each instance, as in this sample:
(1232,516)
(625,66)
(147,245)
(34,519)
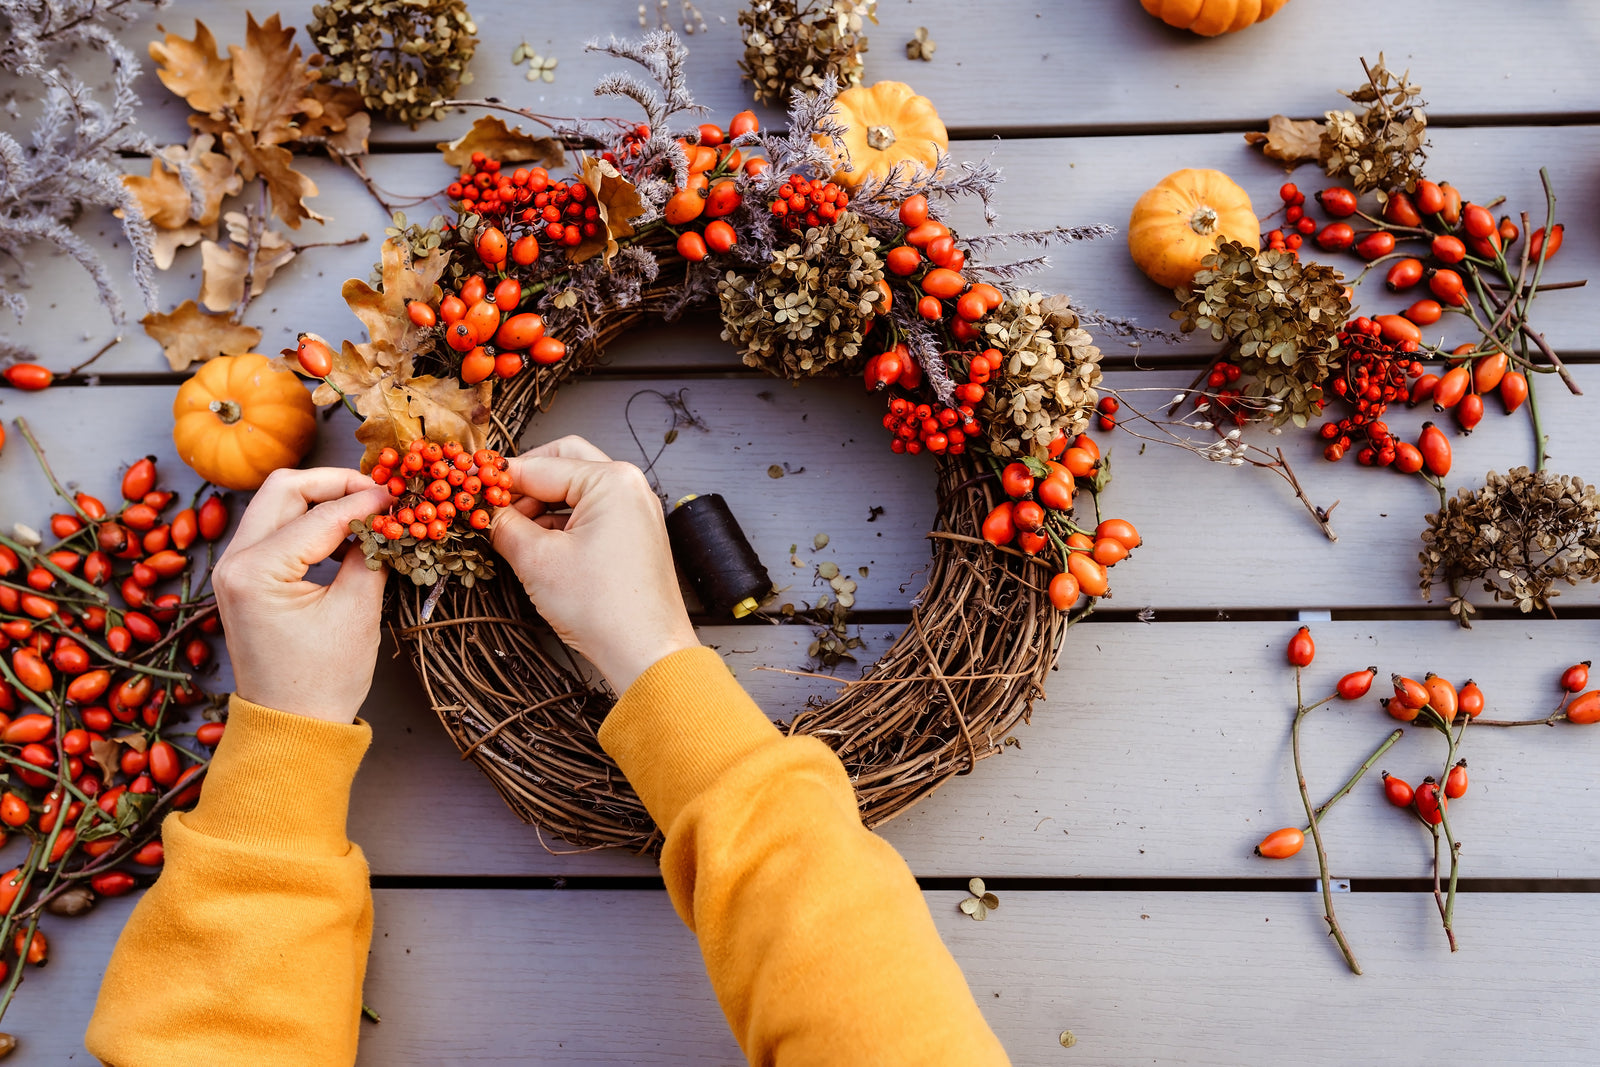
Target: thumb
(358,584)
(519,539)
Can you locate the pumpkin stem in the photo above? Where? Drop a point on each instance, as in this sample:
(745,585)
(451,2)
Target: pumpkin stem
(1204,220)
(226,410)
(880,137)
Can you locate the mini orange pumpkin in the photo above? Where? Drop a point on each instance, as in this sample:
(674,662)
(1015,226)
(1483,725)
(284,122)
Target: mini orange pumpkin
(885,124)
(1209,18)
(1178,223)
(240,418)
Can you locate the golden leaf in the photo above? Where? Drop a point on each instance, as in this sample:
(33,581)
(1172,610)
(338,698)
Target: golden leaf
(1288,140)
(273,81)
(404,280)
(195,71)
(494,139)
(224,266)
(188,335)
(618,201)
(167,204)
(275,165)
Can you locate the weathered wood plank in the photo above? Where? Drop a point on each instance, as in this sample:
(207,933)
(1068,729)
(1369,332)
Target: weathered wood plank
(507,977)
(1048,182)
(1160,752)
(1072,65)
(826,435)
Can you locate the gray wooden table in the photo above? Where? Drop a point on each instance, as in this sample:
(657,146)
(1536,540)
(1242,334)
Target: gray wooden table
(1118,832)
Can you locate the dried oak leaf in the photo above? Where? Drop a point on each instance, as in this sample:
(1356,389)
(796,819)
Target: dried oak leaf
(405,279)
(400,409)
(494,139)
(167,203)
(224,266)
(1288,140)
(274,164)
(340,120)
(274,81)
(188,335)
(194,70)
(618,201)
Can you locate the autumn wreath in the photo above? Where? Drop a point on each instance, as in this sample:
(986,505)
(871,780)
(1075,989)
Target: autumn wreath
(823,252)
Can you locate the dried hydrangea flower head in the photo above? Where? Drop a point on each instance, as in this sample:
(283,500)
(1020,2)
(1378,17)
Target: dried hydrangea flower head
(1520,535)
(1048,385)
(1383,147)
(404,56)
(799,44)
(1281,318)
(806,311)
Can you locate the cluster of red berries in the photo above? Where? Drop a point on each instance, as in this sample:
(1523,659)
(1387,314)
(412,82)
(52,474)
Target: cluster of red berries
(439,488)
(484,326)
(802,203)
(1340,203)
(1222,398)
(72,651)
(917,426)
(564,212)
(1376,373)
(1108,408)
(632,143)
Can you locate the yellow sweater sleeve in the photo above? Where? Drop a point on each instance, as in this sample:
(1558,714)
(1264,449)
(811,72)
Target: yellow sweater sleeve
(251,947)
(818,942)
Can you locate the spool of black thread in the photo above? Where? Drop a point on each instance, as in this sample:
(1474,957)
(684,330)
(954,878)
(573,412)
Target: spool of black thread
(724,570)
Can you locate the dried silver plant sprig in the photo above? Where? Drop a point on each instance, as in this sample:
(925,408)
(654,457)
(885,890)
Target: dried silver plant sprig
(71,163)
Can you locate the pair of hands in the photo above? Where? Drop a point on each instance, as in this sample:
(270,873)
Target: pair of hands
(601,574)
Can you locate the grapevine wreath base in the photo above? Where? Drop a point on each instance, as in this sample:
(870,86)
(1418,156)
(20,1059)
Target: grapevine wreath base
(811,247)
(982,636)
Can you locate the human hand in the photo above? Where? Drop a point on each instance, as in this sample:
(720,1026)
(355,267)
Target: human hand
(601,575)
(295,645)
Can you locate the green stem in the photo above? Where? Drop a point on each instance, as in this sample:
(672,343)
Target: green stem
(1316,831)
(1538,428)
(29,552)
(44,464)
(1361,771)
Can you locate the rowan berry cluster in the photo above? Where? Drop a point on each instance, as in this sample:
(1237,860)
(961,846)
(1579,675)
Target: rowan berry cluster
(802,203)
(1376,373)
(439,490)
(942,430)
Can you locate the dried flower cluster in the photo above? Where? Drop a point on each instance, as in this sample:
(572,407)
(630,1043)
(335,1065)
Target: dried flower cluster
(806,311)
(72,161)
(403,56)
(425,562)
(1281,317)
(800,44)
(1048,385)
(1521,534)
(1383,147)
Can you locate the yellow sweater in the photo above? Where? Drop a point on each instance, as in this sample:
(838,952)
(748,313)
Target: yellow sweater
(251,947)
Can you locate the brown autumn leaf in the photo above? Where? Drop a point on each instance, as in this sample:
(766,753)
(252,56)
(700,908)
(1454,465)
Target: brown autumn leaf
(401,409)
(224,266)
(274,164)
(274,81)
(340,121)
(188,335)
(166,203)
(195,71)
(618,201)
(1288,140)
(383,312)
(494,139)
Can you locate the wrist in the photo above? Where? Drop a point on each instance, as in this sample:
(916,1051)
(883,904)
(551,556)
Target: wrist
(623,666)
(292,699)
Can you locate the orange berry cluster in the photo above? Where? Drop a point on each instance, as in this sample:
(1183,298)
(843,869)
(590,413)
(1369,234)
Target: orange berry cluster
(439,488)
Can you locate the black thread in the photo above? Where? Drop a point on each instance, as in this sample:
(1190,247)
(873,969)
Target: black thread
(715,555)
